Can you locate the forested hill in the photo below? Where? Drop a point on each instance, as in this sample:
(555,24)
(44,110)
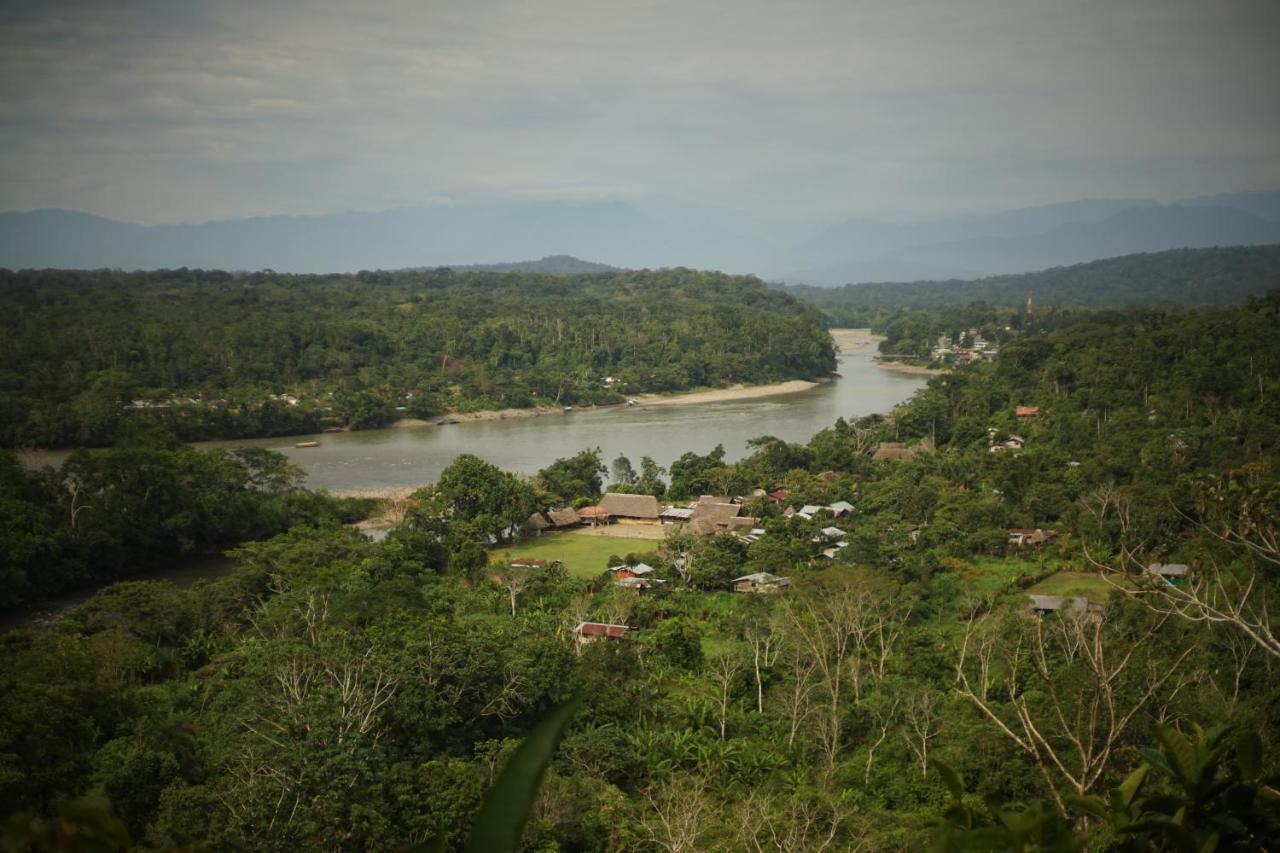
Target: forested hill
(552,264)
(1219,276)
(222,355)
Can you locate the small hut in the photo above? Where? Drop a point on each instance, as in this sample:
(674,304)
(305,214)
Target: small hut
(1172,573)
(565,517)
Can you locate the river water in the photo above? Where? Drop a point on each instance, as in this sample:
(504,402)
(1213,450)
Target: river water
(378,460)
(373,460)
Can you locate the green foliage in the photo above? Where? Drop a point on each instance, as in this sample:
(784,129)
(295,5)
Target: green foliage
(1219,276)
(579,476)
(83,825)
(220,355)
(692,475)
(510,801)
(108,513)
(678,643)
(472,490)
(1212,796)
(338,693)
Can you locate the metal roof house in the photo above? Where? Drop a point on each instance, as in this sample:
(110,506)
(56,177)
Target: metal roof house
(760,583)
(1174,573)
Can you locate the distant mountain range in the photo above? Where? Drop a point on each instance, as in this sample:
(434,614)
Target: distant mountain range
(650,233)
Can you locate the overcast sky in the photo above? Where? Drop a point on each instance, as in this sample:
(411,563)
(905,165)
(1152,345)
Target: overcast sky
(183,111)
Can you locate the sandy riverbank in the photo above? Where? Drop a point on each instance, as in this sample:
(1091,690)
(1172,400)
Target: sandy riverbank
(851,340)
(913,369)
(722,395)
(714,395)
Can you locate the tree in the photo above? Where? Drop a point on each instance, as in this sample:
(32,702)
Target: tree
(1073,687)
(471,490)
(576,477)
(847,629)
(650,481)
(1236,586)
(690,474)
(724,667)
(623,473)
(514,579)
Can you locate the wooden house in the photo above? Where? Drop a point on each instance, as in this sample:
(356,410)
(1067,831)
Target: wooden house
(639,584)
(595,515)
(840,508)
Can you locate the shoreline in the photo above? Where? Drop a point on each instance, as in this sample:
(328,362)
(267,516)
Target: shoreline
(846,340)
(912,369)
(711,395)
(852,340)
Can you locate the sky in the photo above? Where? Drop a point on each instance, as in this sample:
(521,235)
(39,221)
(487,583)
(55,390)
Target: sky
(173,111)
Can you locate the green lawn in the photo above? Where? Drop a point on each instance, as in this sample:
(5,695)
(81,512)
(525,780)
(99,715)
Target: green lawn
(583,556)
(1089,585)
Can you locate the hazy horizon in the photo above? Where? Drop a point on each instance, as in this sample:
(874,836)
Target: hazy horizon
(165,113)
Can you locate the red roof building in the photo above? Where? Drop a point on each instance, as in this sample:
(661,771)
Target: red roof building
(594,515)
(587,632)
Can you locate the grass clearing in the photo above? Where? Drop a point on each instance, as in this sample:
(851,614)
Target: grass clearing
(1087,584)
(583,556)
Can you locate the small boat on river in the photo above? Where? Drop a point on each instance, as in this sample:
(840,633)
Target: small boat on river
(302,444)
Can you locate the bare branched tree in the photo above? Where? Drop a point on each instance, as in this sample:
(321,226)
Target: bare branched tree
(515,580)
(764,654)
(1071,691)
(724,666)
(921,723)
(679,816)
(884,716)
(1233,582)
(848,632)
(771,824)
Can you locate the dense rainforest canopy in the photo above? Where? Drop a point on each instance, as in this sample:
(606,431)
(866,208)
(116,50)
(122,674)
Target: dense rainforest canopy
(339,693)
(223,355)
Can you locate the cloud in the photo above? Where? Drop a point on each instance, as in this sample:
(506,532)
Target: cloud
(179,111)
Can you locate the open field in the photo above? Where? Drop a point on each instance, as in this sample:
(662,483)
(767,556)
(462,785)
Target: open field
(583,556)
(1087,584)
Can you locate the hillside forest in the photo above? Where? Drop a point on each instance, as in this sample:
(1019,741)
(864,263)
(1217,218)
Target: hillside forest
(336,693)
(1166,280)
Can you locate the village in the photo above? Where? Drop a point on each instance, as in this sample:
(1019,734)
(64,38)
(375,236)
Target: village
(644,528)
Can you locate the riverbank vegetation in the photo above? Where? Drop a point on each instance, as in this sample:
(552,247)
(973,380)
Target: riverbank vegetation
(339,693)
(222,355)
(107,514)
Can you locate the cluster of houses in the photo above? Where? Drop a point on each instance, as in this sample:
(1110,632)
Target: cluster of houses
(979,350)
